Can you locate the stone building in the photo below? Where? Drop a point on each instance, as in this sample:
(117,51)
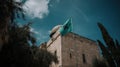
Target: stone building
(72,50)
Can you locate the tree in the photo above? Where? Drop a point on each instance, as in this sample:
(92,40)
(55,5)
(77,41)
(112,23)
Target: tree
(9,11)
(16,40)
(18,52)
(99,63)
(111,52)
(43,58)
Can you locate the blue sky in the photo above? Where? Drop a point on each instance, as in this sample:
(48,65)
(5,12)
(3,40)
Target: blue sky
(84,13)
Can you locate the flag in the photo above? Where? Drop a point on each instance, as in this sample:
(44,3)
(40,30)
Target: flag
(66,27)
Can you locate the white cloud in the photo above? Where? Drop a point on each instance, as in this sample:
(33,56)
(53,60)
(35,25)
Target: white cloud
(41,35)
(82,14)
(58,1)
(34,31)
(17,0)
(36,8)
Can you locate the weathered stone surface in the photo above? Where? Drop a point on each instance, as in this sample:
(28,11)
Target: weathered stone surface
(73,50)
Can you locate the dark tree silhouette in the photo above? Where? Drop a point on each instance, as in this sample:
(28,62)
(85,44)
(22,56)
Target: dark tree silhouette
(16,40)
(111,52)
(18,52)
(99,63)
(9,10)
(42,57)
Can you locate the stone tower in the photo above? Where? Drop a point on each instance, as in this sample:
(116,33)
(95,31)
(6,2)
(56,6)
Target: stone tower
(72,50)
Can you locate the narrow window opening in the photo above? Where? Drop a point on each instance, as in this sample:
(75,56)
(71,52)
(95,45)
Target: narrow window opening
(84,59)
(55,52)
(70,55)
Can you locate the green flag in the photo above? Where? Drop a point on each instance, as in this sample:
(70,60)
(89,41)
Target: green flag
(66,27)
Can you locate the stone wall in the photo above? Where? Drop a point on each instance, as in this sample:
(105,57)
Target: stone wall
(78,51)
(73,50)
(54,46)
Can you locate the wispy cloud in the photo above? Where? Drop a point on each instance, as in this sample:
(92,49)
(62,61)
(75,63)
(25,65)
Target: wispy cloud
(36,8)
(58,1)
(41,35)
(79,11)
(34,31)
(18,0)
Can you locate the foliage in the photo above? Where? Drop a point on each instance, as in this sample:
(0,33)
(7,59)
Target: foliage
(16,51)
(99,63)
(111,52)
(10,9)
(43,58)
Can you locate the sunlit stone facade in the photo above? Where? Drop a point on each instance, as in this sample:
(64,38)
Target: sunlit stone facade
(72,50)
